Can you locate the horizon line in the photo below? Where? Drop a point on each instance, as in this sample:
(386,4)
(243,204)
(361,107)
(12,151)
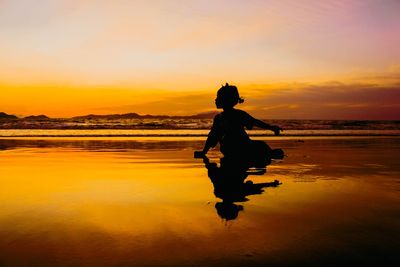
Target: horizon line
(211,114)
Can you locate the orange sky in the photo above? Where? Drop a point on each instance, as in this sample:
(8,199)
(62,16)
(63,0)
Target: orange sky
(290,59)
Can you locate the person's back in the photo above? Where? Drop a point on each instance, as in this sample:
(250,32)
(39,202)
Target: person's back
(234,138)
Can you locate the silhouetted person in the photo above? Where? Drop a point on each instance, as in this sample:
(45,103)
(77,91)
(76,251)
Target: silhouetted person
(228,130)
(229,185)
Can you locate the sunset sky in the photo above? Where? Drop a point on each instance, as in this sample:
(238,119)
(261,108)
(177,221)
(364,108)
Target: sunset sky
(294,59)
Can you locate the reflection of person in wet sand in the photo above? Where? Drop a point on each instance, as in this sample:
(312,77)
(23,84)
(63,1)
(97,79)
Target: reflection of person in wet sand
(229,185)
(228,130)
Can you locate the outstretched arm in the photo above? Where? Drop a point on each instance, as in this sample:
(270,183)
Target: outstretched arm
(276,129)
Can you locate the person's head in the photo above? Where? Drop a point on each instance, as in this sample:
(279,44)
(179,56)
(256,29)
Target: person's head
(228,97)
(228,210)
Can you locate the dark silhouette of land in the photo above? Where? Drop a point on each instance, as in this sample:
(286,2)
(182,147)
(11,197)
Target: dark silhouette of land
(36,118)
(93,121)
(5,117)
(131,115)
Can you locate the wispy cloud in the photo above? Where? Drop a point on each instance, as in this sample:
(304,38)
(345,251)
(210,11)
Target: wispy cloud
(109,42)
(336,100)
(329,100)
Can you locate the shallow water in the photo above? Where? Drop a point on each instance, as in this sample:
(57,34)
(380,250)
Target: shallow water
(135,202)
(187,132)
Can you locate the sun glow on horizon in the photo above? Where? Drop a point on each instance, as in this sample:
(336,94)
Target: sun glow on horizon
(68,58)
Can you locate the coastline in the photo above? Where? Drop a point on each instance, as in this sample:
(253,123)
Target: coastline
(185,133)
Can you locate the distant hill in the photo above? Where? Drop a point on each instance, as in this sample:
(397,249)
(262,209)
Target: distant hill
(37,118)
(5,116)
(109,117)
(206,115)
(41,118)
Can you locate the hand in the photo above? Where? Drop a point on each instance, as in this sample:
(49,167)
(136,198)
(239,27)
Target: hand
(199,154)
(276,129)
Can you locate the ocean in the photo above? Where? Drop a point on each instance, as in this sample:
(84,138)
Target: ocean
(170,127)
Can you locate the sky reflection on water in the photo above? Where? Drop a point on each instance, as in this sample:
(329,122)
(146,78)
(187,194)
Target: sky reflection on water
(127,202)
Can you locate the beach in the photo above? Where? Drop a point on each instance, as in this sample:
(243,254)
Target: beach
(148,202)
(113,116)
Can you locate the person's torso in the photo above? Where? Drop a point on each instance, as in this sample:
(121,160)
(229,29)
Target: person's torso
(233,123)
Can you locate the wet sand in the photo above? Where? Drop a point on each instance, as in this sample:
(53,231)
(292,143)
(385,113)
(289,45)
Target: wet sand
(147,202)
